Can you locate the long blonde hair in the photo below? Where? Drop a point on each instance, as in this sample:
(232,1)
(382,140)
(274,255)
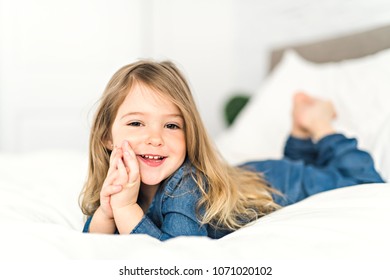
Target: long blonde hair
(231,196)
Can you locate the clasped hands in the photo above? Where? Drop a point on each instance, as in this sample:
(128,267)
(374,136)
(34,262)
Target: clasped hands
(121,186)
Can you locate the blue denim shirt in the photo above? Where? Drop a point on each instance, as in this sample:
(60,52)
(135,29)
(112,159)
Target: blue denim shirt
(306,169)
(173,211)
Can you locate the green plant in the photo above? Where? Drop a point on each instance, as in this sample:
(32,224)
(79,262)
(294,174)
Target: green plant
(234,105)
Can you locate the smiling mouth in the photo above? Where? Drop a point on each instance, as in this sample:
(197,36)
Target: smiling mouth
(152,157)
(152,160)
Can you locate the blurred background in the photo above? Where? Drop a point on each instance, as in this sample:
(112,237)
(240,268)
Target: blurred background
(57,56)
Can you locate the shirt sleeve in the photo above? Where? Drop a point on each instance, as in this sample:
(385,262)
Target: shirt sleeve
(300,149)
(174,224)
(87,224)
(178,215)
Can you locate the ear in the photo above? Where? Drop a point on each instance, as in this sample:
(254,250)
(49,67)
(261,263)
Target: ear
(109,145)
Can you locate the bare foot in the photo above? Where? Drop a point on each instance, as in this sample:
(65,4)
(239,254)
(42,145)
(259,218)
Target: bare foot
(300,103)
(312,117)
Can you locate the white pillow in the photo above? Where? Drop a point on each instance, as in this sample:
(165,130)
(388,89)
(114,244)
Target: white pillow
(359,88)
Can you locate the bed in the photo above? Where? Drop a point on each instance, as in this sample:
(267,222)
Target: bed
(41,220)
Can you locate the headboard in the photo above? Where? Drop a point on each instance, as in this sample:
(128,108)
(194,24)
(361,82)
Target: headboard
(350,46)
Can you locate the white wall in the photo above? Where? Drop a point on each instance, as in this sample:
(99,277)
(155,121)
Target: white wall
(198,36)
(56,56)
(264,24)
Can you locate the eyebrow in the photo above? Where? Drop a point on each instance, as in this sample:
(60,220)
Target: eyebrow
(141,113)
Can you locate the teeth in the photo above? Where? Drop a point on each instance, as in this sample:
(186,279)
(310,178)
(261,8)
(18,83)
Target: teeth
(152,157)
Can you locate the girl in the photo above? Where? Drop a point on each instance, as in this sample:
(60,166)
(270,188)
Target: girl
(154,170)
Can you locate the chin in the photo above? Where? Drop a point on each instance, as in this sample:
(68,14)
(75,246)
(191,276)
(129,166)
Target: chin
(153,178)
(151,181)
(145,184)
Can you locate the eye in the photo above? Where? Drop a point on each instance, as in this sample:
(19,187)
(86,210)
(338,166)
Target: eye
(134,123)
(172,126)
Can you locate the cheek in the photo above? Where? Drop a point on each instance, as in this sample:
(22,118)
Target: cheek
(132,139)
(182,147)
(121,134)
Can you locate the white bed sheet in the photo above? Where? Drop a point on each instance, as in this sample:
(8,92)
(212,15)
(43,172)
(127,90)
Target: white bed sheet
(40,220)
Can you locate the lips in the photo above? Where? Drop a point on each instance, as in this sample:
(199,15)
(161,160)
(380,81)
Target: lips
(152,160)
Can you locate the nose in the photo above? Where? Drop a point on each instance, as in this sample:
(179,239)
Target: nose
(154,138)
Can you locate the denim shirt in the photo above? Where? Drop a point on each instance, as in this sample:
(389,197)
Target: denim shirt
(306,169)
(173,211)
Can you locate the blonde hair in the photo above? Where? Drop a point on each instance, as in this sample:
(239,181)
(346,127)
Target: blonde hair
(231,196)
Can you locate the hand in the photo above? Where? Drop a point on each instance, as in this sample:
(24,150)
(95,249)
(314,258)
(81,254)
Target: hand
(110,186)
(120,189)
(128,177)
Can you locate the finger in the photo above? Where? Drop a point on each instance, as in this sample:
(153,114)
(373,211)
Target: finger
(111,178)
(131,162)
(112,156)
(114,161)
(122,171)
(110,190)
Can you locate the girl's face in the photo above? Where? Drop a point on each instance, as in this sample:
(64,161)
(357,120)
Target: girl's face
(154,128)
